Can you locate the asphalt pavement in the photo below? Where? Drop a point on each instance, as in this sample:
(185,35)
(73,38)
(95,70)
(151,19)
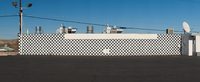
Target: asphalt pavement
(99,69)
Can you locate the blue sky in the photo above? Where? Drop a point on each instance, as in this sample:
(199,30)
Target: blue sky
(154,14)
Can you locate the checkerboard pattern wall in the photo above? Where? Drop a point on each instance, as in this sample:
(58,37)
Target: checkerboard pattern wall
(56,44)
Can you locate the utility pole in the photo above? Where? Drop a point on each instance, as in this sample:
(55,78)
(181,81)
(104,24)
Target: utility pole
(15,4)
(20,17)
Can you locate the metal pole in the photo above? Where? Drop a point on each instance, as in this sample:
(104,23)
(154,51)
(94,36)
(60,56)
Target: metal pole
(20,25)
(20,17)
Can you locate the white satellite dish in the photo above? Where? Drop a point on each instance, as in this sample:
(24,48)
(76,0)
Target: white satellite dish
(186,27)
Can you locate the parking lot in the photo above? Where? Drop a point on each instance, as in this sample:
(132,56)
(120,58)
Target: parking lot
(99,69)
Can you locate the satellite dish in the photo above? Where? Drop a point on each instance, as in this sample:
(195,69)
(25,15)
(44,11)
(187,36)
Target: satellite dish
(186,27)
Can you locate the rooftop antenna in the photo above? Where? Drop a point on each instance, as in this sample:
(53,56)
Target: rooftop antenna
(186,27)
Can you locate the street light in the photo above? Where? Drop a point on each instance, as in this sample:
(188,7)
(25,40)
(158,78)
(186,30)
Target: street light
(15,4)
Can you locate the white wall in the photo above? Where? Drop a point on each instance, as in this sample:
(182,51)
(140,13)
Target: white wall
(190,48)
(197,43)
(197,46)
(111,36)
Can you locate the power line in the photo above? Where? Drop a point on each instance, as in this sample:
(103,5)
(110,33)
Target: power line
(8,15)
(53,19)
(122,27)
(141,28)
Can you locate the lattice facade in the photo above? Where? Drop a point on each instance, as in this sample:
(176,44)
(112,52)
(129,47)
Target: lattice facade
(56,44)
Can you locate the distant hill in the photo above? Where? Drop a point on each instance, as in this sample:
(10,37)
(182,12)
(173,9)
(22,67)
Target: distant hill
(10,43)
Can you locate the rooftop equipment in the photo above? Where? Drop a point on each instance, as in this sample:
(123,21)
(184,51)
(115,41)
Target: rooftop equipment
(71,30)
(114,29)
(108,29)
(61,30)
(90,29)
(170,31)
(38,30)
(64,30)
(186,27)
